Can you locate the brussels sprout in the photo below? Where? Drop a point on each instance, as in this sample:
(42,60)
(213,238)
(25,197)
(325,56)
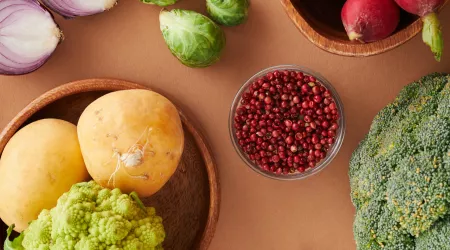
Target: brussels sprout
(192,37)
(161,3)
(228,12)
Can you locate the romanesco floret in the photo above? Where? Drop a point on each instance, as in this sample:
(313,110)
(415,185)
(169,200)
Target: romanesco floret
(89,217)
(40,232)
(90,243)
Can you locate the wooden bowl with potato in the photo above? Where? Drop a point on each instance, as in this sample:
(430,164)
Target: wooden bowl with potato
(188,203)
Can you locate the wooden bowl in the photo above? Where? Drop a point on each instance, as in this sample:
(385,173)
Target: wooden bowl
(189,202)
(320,21)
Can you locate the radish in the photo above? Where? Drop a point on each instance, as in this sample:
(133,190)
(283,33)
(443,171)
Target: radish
(370,20)
(431,32)
(420,7)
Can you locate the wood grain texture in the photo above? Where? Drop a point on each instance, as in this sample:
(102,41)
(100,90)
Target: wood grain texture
(319,21)
(189,203)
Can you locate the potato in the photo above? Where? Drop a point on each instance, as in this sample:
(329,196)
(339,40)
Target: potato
(132,140)
(39,163)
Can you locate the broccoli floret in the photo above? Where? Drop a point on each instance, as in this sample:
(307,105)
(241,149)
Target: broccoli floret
(390,139)
(404,160)
(370,183)
(433,136)
(444,102)
(374,170)
(437,238)
(375,229)
(89,217)
(418,193)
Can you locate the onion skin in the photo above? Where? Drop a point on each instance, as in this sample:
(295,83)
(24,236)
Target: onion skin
(28,36)
(76,8)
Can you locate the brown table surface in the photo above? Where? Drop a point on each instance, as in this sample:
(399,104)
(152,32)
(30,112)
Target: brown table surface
(256,213)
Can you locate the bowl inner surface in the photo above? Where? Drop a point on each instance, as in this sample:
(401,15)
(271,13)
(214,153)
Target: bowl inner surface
(324,16)
(183,202)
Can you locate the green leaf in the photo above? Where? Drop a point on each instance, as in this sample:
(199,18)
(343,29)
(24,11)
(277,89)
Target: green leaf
(228,12)
(161,3)
(193,38)
(432,35)
(16,244)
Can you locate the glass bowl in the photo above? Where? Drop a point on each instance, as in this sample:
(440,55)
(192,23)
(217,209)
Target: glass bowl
(332,151)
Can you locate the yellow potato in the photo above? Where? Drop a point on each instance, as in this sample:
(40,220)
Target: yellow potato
(132,140)
(40,162)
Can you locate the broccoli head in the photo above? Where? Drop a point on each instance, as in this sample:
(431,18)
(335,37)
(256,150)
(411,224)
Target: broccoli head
(90,217)
(403,162)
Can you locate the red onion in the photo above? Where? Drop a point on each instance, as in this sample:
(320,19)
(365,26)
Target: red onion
(28,36)
(74,8)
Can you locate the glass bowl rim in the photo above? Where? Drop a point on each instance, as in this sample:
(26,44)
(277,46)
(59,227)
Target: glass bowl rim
(331,153)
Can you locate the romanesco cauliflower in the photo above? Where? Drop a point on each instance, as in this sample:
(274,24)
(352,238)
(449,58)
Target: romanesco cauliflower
(90,217)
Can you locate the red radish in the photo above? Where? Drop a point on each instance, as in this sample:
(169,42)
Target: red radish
(370,20)
(420,7)
(431,33)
